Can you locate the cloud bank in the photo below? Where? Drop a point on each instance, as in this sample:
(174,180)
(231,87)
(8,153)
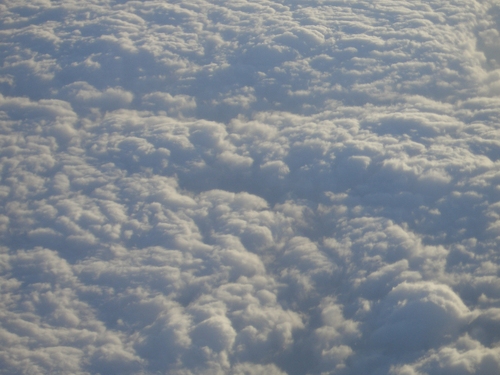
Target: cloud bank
(250,187)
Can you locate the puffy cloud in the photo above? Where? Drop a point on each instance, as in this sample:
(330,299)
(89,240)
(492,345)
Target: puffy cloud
(418,316)
(249,187)
(467,356)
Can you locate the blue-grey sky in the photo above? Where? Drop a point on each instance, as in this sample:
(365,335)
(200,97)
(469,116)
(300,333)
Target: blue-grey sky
(250,187)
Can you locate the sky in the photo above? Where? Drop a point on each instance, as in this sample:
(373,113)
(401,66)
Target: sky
(246,187)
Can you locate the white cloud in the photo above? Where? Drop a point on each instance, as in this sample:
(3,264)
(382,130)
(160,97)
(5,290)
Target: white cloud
(249,187)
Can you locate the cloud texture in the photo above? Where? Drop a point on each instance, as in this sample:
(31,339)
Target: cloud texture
(250,187)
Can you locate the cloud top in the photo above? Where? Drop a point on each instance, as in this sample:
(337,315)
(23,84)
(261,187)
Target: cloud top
(249,187)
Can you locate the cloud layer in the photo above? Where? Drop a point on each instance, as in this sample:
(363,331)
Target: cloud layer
(250,187)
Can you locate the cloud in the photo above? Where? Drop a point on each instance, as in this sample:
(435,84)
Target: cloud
(249,187)
(467,357)
(418,316)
